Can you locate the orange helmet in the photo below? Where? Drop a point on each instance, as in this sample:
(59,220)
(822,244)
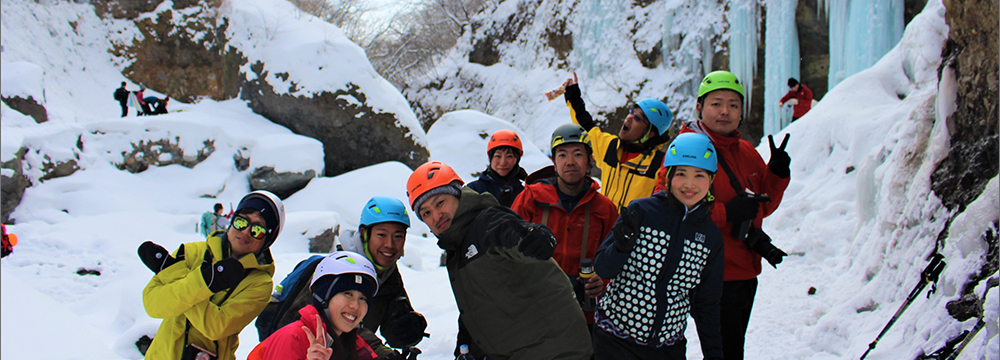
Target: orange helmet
(426,177)
(505,138)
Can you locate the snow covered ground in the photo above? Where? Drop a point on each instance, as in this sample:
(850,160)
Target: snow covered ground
(858,217)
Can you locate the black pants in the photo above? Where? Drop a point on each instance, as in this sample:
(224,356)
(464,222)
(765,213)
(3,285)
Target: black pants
(610,347)
(735,306)
(124,105)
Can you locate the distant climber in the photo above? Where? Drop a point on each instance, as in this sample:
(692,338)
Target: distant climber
(121,94)
(799,96)
(158,106)
(9,241)
(143,108)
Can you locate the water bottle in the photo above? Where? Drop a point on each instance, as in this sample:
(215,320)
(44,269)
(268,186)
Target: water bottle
(463,353)
(586,272)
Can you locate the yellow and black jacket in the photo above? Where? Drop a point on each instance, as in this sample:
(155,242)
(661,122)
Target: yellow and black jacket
(628,171)
(179,296)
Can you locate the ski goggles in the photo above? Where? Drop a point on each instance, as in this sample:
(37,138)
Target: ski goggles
(241,223)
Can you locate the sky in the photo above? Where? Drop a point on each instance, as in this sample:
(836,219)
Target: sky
(857,219)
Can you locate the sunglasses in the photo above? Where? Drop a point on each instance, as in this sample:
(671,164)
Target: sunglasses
(241,223)
(634,111)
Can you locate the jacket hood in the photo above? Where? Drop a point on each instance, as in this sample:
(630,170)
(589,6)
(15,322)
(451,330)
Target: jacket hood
(730,143)
(355,244)
(515,176)
(469,205)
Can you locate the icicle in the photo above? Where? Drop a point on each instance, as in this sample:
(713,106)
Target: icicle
(861,31)
(781,57)
(744,36)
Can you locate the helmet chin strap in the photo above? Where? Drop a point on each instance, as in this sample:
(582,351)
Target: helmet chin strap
(368,254)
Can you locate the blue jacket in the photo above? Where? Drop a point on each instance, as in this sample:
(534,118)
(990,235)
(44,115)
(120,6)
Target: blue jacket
(675,268)
(504,189)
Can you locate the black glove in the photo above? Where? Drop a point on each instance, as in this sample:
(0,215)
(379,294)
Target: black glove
(222,275)
(759,242)
(407,329)
(626,230)
(744,207)
(538,242)
(778,164)
(156,257)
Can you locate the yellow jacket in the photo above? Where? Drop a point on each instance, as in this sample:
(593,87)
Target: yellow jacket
(621,181)
(179,295)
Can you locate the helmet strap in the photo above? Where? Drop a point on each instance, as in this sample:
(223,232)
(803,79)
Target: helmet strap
(365,235)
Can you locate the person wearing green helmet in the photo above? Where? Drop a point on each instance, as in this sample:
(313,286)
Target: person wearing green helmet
(569,203)
(629,160)
(746,191)
(380,237)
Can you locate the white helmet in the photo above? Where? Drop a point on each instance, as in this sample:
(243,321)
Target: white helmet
(328,279)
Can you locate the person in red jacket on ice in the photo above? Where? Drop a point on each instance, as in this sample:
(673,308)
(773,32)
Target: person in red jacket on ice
(746,191)
(799,96)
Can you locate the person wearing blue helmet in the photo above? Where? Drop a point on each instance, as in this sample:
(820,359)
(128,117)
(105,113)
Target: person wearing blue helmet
(380,237)
(629,160)
(664,257)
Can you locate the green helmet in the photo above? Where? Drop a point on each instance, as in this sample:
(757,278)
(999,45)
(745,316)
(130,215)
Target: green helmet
(569,133)
(718,80)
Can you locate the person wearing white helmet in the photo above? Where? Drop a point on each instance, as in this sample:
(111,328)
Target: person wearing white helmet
(206,292)
(342,285)
(381,237)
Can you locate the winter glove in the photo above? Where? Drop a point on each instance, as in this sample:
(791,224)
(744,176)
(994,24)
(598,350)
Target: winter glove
(222,275)
(407,329)
(758,241)
(538,242)
(744,208)
(626,230)
(779,158)
(156,257)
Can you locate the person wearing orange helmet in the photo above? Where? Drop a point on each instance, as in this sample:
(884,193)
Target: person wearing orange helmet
(9,241)
(514,301)
(503,177)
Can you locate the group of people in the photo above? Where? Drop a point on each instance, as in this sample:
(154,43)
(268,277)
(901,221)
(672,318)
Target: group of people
(557,267)
(145,105)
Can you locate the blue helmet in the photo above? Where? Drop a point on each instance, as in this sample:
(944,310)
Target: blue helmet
(382,209)
(658,113)
(692,149)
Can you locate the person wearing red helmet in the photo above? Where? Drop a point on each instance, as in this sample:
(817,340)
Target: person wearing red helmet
(515,302)
(502,178)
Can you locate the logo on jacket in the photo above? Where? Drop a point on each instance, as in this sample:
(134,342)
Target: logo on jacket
(473,251)
(699,237)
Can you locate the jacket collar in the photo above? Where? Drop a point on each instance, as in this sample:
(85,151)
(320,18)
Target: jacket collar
(515,176)
(729,143)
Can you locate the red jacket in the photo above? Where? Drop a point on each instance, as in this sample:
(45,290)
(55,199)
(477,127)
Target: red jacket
(741,262)
(568,228)
(290,342)
(805,97)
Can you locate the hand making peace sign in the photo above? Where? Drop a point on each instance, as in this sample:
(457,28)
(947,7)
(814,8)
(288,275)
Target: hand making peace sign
(779,158)
(317,343)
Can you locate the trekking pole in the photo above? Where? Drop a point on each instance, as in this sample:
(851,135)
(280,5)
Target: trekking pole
(929,275)
(991,283)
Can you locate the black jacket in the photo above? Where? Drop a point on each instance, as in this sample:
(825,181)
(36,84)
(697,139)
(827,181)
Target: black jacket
(514,306)
(504,188)
(678,260)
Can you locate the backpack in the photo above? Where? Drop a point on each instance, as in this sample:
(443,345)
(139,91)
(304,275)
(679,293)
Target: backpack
(289,296)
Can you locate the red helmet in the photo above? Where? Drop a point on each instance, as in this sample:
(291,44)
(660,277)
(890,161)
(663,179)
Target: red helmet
(505,138)
(429,176)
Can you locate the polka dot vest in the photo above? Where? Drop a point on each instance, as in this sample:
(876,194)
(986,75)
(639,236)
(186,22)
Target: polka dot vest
(642,306)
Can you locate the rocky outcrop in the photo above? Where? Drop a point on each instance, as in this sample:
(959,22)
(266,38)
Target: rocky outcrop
(971,51)
(183,54)
(13,186)
(151,153)
(323,243)
(814,47)
(283,184)
(28,107)
(354,134)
